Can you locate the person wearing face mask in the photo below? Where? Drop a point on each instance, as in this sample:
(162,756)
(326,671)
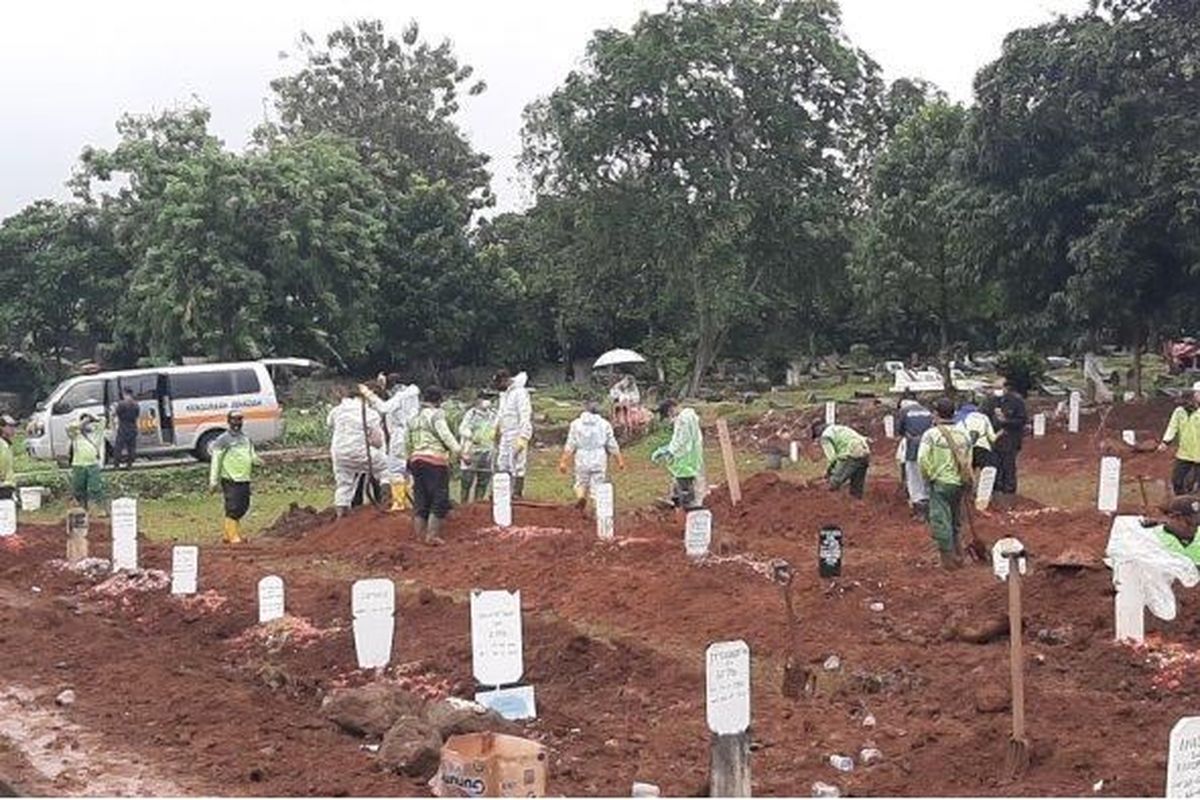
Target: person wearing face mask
(591,440)
(1184,425)
(397,411)
(477,432)
(1006,410)
(233,460)
(514,428)
(87,457)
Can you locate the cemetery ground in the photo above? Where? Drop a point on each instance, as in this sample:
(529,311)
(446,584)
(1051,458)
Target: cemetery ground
(192,696)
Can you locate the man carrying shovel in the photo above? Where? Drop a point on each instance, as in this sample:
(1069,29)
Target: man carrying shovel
(944,461)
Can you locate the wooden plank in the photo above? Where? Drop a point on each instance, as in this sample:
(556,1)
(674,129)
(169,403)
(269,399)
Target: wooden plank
(729,768)
(731,476)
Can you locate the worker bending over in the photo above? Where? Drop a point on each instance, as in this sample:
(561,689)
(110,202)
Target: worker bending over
(87,457)
(402,404)
(514,428)
(848,453)
(943,456)
(355,452)
(684,456)
(477,432)
(233,460)
(431,446)
(591,439)
(1184,425)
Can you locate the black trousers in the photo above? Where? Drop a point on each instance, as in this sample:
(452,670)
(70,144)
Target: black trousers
(237,498)
(1006,470)
(126,449)
(982,457)
(1185,477)
(431,489)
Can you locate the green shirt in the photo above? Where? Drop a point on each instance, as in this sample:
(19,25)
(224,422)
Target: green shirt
(1185,425)
(8,473)
(937,456)
(429,435)
(686,446)
(87,449)
(840,442)
(233,458)
(478,429)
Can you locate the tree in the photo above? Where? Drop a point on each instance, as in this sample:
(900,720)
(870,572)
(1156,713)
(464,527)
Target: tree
(733,127)
(395,100)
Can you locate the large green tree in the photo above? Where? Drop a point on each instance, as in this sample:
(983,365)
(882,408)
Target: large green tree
(732,130)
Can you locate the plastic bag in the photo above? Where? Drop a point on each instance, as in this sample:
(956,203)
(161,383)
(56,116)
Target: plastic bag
(1139,549)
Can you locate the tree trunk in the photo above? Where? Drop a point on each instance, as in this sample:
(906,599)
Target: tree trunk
(1139,345)
(944,357)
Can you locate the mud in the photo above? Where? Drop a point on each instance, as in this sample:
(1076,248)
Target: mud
(614,642)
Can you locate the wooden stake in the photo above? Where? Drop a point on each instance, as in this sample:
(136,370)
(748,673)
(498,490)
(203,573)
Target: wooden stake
(1017,758)
(729,770)
(731,476)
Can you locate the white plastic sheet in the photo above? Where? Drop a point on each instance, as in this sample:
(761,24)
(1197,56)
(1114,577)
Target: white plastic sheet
(1138,551)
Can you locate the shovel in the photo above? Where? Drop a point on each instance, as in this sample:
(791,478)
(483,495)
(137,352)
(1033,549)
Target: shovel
(794,676)
(976,549)
(1141,479)
(1016,759)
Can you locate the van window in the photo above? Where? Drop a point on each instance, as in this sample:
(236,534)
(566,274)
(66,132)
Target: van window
(144,387)
(86,393)
(187,385)
(245,381)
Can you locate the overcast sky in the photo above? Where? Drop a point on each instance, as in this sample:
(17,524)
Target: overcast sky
(68,70)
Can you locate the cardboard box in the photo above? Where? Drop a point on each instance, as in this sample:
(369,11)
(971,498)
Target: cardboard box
(490,765)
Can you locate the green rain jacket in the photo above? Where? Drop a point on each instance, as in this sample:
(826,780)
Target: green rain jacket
(840,442)
(8,473)
(936,454)
(1186,425)
(233,458)
(686,446)
(87,449)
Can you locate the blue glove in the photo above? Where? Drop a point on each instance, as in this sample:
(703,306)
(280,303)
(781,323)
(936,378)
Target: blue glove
(661,454)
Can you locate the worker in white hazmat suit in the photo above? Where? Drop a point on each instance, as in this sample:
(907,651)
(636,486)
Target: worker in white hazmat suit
(514,427)
(398,410)
(356,451)
(591,440)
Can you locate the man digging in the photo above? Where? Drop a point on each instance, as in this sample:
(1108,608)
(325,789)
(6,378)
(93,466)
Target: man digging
(848,453)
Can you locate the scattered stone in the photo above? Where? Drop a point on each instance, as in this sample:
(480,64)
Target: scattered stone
(833,663)
(1098,786)
(371,710)
(868,721)
(455,716)
(65,698)
(1039,658)
(821,789)
(869,755)
(982,632)
(876,607)
(1054,635)
(991,699)
(612,744)
(412,747)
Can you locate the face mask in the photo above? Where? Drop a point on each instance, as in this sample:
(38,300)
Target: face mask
(997,392)
(485,404)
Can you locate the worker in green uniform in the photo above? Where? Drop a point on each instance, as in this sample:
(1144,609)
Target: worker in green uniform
(944,457)
(848,453)
(1185,426)
(8,473)
(87,457)
(233,460)
(683,456)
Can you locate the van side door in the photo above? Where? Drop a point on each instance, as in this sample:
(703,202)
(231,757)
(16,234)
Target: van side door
(145,392)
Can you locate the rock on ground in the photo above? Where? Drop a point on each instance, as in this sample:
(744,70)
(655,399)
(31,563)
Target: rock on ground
(412,747)
(991,699)
(371,710)
(454,716)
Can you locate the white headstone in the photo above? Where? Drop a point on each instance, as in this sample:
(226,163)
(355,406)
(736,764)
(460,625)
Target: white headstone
(1129,607)
(1129,437)
(727,687)
(8,517)
(1129,397)
(985,487)
(602,494)
(502,499)
(889,426)
(185,565)
(830,412)
(1000,553)
(270,599)
(373,603)
(1183,759)
(124,534)
(1110,484)
(515,702)
(1039,425)
(1073,413)
(496,650)
(794,451)
(697,533)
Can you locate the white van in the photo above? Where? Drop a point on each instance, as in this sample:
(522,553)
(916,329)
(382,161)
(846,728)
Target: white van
(183,408)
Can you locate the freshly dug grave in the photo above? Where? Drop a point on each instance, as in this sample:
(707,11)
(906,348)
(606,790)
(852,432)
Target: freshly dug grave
(614,641)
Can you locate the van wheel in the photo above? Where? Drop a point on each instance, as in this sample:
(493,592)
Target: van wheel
(205,445)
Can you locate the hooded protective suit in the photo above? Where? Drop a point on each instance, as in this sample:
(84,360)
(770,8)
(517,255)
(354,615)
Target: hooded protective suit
(591,439)
(515,425)
(348,446)
(399,410)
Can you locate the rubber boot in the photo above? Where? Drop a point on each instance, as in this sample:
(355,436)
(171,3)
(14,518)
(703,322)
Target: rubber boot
(949,561)
(519,487)
(419,525)
(465,488)
(232,534)
(237,531)
(433,533)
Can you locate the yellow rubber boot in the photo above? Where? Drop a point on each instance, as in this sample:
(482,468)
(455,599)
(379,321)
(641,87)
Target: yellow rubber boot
(232,531)
(401,496)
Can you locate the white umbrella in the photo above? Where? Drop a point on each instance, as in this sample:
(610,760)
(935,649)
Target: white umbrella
(618,356)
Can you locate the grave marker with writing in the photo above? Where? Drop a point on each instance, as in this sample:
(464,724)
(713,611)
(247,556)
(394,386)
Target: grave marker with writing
(1129,607)
(985,487)
(1183,759)
(496,648)
(270,599)
(185,566)
(124,534)
(889,426)
(1039,426)
(502,499)
(373,604)
(602,494)
(727,687)
(1109,495)
(697,534)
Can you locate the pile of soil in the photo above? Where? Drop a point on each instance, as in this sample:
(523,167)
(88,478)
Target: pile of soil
(615,634)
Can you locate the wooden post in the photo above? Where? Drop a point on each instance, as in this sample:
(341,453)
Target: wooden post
(729,770)
(731,476)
